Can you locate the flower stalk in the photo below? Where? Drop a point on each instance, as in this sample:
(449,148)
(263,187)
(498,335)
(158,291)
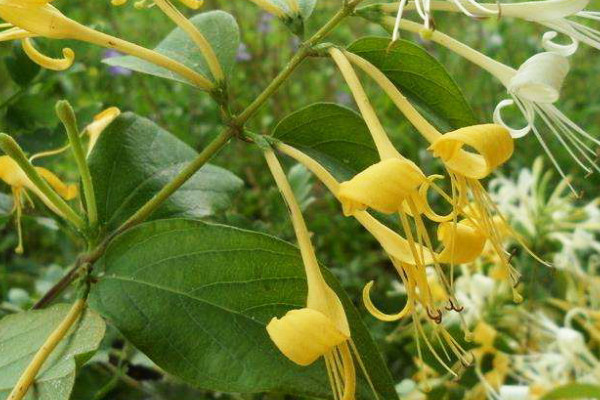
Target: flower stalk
(67,116)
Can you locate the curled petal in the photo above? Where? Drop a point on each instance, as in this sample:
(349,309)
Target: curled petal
(564,50)
(540,78)
(305,335)
(463,243)
(379,314)
(424,206)
(383,186)
(48,62)
(493,144)
(514,133)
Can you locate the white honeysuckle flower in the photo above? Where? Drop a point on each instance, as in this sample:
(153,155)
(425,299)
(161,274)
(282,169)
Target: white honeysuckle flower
(534,88)
(562,16)
(566,357)
(473,293)
(514,392)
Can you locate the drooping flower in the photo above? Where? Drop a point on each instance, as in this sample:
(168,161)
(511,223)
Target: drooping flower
(410,257)
(320,329)
(533,88)
(20,184)
(38,18)
(490,147)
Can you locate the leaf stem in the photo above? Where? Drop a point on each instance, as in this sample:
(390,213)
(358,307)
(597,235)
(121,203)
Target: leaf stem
(14,151)
(28,376)
(67,116)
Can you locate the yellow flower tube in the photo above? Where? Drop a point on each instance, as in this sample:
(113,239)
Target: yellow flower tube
(197,37)
(321,329)
(42,19)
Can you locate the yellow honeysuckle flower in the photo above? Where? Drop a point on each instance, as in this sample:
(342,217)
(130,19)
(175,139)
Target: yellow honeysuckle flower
(411,258)
(320,329)
(100,123)
(493,146)
(38,18)
(15,177)
(384,186)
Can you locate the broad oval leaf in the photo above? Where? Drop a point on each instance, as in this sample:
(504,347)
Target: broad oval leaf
(334,135)
(219,28)
(420,77)
(574,391)
(22,335)
(196,298)
(134,158)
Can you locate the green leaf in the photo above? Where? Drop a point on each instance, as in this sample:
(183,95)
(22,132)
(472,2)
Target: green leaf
(6,205)
(196,298)
(134,158)
(20,68)
(22,335)
(335,136)
(420,77)
(574,391)
(218,27)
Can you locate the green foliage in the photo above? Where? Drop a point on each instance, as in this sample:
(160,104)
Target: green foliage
(21,336)
(334,135)
(221,286)
(21,69)
(135,158)
(421,77)
(220,30)
(574,391)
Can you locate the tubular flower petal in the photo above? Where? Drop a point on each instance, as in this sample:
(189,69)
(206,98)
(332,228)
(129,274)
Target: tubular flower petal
(493,144)
(100,123)
(463,242)
(305,335)
(14,33)
(384,186)
(540,78)
(15,177)
(37,17)
(48,62)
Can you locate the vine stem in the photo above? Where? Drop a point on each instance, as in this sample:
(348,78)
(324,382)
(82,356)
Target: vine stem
(28,376)
(236,126)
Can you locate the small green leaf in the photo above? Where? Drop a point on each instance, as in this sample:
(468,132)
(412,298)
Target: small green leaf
(335,136)
(134,158)
(574,391)
(218,27)
(196,298)
(22,335)
(420,77)
(20,68)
